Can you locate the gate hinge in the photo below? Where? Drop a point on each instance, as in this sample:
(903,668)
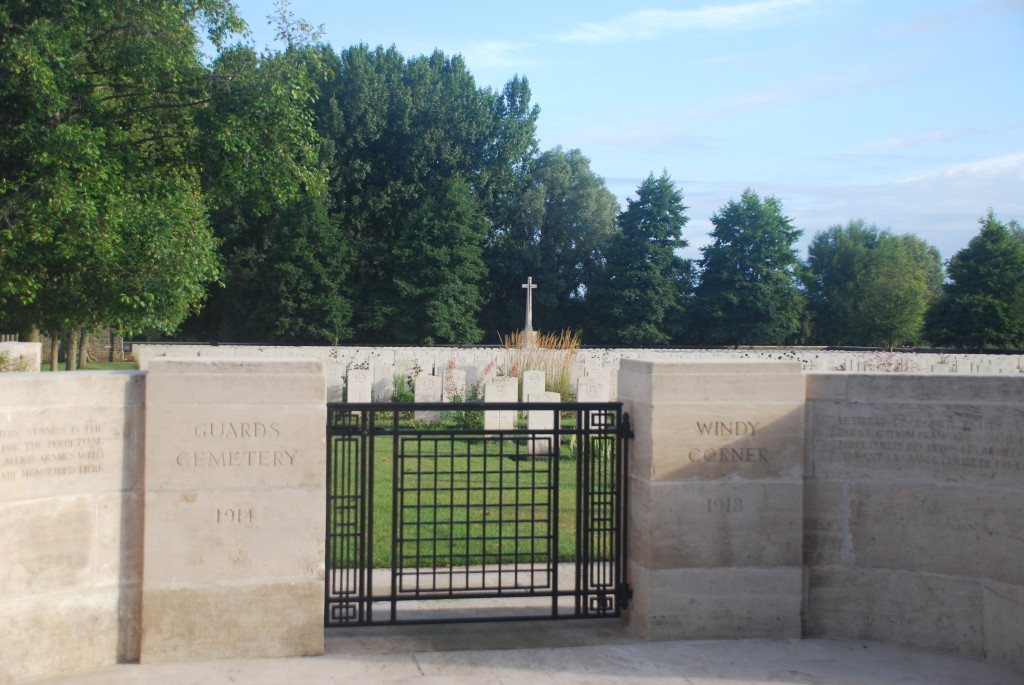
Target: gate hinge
(623,593)
(625,428)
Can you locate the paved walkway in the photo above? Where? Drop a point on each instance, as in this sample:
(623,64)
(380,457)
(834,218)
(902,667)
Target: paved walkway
(564,653)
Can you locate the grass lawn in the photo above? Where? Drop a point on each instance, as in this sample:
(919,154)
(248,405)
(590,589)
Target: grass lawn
(99,366)
(463,501)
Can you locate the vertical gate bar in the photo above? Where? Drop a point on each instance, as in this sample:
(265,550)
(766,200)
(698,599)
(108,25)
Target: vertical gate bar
(367,470)
(329,573)
(554,510)
(397,470)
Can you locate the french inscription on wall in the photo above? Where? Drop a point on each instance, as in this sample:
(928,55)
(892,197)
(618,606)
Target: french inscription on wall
(54,450)
(948,442)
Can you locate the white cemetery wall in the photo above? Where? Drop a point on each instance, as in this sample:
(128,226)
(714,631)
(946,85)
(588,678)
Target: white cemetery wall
(234,525)
(70,521)
(716,480)
(914,507)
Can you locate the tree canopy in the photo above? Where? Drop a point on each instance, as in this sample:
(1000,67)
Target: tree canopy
(747,293)
(645,283)
(116,141)
(867,286)
(983,303)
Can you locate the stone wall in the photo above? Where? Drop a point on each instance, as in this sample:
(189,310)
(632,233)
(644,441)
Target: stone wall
(70,521)
(914,512)
(765,501)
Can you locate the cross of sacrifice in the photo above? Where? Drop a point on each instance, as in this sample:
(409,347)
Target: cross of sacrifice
(530,286)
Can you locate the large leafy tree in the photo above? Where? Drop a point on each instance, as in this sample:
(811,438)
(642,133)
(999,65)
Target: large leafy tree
(558,234)
(640,299)
(747,293)
(116,139)
(403,131)
(867,286)
(983,303)
(438,269)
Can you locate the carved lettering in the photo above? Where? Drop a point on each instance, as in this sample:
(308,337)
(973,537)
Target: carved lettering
(729,454)
(242,429)
(908,438)
(238,516)
(235,458)
(728,428)
(725,505)
(51,451)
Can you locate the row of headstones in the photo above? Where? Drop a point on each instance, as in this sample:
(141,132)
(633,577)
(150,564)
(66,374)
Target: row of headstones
(377,384)
(452,387)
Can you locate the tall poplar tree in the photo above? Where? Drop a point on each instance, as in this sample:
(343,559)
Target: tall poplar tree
(983,303)
(747,293)
(640,298)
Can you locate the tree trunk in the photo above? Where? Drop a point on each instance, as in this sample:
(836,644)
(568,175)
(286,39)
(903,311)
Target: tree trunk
(54,350)
(83,348)
(72,353)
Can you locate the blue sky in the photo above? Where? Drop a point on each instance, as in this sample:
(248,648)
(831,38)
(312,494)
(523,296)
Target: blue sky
(908,114)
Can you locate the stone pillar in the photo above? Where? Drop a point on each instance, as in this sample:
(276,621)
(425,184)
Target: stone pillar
(235,497)
(716,498)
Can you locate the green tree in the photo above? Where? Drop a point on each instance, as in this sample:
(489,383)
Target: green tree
(110,163)
(402,131)
(983,303)
(438,268)
(640,300)
(747,291)
(866,286)
(558,234)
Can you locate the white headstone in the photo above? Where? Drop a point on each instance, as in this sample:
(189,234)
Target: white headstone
(428,389)
(592,389)
(542,444)
(533,383)
(383,382)
(360,386)
(502,389)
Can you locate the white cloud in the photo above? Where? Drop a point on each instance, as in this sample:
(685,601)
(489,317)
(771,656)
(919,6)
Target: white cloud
(1011,165)
(931,22)
(648,24)
(498,54)
(913,140)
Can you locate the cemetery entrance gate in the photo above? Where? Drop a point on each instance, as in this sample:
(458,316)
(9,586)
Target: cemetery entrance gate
(441,512)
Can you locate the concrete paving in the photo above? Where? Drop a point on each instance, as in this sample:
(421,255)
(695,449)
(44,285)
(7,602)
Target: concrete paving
(564,652)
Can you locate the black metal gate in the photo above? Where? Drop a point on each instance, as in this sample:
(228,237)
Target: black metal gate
(435,513)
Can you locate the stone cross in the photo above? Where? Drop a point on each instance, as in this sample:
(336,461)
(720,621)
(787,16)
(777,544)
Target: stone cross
(530,287)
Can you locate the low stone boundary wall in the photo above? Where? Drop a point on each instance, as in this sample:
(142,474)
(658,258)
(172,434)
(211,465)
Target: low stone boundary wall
(71,513)
(914,507)
(173,514)
(20,356)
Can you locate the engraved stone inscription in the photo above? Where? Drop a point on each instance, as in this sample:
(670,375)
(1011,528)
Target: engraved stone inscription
(54,450)
(247,456)
(725,505)
(236,516)
(961,440)
(732,442)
